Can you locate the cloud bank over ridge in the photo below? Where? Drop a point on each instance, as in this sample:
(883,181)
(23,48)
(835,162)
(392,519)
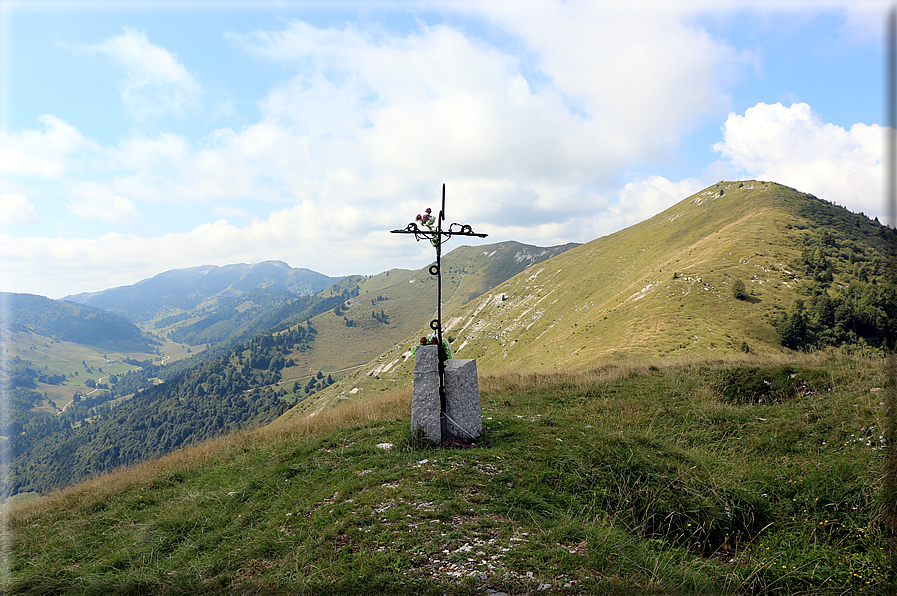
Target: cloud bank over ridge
(562,122)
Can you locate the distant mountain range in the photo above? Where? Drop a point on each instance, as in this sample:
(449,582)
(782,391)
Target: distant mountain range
(184,290)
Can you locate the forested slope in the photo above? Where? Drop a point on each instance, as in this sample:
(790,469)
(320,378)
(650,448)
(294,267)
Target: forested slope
(235,391)
(67,321)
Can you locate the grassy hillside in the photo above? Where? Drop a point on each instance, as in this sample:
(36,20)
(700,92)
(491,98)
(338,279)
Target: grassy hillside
(744,476)
(664,288)
(67,321)
(80,362)
(392,305)
(661,288)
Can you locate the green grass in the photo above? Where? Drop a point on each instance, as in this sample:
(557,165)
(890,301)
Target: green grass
(659,289)
(64,357)
(630,478)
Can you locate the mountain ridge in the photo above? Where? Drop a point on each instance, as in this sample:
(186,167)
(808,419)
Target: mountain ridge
(67,321)
(664,288)
(186,289)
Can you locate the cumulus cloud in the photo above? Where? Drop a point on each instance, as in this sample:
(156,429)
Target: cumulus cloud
(44,153)
(17,210)
(379,120)
(439,103)
(92,200)
(156,82)
(641,72)
(532,131)
(793,146)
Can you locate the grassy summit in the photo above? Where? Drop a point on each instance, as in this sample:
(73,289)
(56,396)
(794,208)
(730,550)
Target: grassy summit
(749,476)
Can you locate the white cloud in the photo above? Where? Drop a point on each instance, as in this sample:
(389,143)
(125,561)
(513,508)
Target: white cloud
(611,87)
(531,134)
(45,154)
(17,210)
(643,199)
(156,82)
(228,211)
(640,73)
(379,121)
(92,200)
(794,147)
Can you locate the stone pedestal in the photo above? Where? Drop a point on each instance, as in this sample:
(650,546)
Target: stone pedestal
(425,418)
(462,400)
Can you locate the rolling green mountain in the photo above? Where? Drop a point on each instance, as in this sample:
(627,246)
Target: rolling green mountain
(383,309)
(810,274)
(180,291)
(215,307)
(355,312)
(66,321)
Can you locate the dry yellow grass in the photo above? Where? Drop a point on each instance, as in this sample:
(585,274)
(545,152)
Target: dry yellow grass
(619,369)
(91,492)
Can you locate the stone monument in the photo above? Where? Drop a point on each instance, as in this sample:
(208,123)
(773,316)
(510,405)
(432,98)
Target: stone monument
(464,419)
(425,398)
(445,403)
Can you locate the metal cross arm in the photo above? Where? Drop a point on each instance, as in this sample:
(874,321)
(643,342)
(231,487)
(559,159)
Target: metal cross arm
(419,234)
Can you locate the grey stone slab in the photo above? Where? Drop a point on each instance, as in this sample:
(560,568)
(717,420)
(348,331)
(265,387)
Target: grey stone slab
(426,360)
(462,400)
(425,414)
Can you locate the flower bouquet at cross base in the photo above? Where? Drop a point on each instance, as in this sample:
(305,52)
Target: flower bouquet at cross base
(444,354)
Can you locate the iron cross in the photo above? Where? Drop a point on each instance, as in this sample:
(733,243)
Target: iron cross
(437,237)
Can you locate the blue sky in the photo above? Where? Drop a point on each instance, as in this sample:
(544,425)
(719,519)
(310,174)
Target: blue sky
(137,137)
